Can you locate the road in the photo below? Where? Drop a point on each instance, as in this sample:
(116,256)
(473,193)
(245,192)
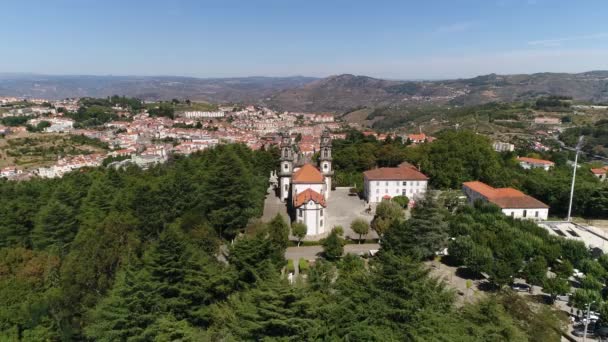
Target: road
(312,252)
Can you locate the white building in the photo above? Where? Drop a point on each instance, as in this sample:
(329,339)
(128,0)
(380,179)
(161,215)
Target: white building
(388,182)
(59,125)
(512,202)
(203,115)
(533,163)
(503,147)
(9,172)
(306,188)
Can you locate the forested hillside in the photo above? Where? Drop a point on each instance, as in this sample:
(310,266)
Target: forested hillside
(65,239)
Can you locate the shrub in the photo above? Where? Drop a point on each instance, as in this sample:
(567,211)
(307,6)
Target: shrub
(303,265)
(290,266)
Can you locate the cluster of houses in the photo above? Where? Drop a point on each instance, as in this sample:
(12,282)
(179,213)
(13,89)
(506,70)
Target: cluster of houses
(68,164)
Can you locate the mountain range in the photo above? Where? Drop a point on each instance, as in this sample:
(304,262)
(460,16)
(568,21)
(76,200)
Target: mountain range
(335,94)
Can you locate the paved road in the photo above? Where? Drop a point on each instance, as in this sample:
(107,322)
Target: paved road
(312,252)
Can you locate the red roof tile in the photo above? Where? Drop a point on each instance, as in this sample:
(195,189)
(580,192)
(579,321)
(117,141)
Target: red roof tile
(395,173)
(307,174)
(505,197)
(307,196)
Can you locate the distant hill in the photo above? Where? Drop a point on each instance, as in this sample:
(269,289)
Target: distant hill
(243,89)
(337,94)
(348,92)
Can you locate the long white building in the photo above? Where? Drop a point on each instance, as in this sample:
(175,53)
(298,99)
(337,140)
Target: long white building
(533,163)
(203,115)
(387,182)
(512,202)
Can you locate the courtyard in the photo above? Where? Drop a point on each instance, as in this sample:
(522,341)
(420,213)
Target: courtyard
(342,209)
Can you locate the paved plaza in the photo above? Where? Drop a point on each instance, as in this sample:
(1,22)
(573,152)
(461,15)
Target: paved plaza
(342,209)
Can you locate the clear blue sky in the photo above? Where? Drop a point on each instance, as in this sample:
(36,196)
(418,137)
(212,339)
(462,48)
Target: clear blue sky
(390,39)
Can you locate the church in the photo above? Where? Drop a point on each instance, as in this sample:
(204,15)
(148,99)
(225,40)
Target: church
(304,187)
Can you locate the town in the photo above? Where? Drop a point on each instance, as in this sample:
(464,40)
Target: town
(304,171)
(311,191)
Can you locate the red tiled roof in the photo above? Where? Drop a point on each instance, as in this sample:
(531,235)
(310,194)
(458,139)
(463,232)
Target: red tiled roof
(395,173)
(600,171)
(416,137)
(307,196)
(535,161)
(505,197)
(307,174)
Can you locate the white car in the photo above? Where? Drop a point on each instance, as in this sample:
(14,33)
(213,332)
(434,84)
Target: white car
(578,274)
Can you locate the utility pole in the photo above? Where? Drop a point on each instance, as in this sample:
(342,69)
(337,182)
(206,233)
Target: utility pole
(578,149)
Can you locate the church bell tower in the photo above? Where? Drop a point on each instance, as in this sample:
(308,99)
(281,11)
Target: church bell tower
(325,161)
(287,160)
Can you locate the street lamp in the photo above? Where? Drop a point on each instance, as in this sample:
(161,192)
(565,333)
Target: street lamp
(578,149)
(587,321)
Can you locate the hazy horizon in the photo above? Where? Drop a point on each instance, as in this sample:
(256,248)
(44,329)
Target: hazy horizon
(386,39)
(35,74)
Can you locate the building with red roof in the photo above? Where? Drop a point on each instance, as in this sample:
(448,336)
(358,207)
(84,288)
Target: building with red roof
(511,201)
(403,180)
(416,138)
(534,163)
(600,173)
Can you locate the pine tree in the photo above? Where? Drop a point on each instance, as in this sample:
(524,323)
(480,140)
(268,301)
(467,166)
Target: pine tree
(130,307)
(170,265)
(252,258)
(269,311)
(88,271)
(56,227)
(278,234)
(97,204)
(422,235)
(228,195)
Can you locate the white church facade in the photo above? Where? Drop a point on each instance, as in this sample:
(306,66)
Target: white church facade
(306,188)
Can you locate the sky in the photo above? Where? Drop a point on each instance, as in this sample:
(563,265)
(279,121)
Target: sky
(229,38)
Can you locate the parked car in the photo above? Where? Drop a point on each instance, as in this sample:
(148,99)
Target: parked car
(580,332)
(521,287)
(578,274)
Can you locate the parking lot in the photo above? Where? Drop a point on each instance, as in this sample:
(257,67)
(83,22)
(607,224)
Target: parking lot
(592,237)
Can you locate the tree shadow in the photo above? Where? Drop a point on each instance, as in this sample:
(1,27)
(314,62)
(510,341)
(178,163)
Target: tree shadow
(487,286)
(450,261)
(467,273)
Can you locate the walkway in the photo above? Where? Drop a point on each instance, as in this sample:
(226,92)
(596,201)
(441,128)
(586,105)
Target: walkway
(273,206)
(313,252)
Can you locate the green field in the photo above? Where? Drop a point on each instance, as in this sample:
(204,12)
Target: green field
(36,150)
